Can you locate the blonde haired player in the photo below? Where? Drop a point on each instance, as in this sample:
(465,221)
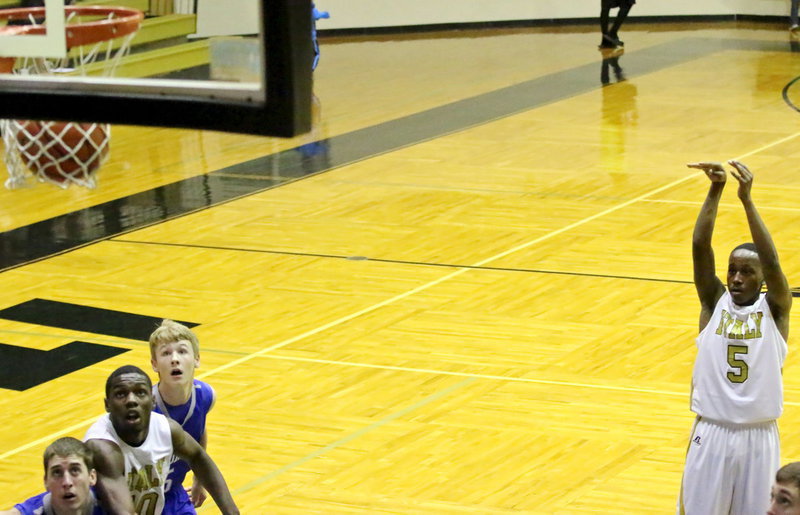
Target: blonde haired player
(737,388)
(174,355)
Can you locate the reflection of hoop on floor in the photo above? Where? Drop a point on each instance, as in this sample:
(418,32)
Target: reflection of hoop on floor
(64,153)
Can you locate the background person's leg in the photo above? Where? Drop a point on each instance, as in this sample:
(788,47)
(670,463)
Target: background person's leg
(623,13)
(605,9)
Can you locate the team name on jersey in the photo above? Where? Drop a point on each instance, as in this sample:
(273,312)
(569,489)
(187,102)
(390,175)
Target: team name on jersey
(141,480)
(738,329)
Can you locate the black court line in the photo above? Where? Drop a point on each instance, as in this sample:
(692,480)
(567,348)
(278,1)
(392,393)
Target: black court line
(785,94)
(73,230)
(400,261)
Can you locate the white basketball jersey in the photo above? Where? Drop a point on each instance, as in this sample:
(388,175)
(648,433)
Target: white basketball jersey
(146,466)
(737,373)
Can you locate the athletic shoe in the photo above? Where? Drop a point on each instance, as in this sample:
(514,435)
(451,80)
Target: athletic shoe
(609,42)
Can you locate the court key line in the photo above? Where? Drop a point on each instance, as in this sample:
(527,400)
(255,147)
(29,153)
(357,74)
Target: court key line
(433,371)
(411,292)
(549,382)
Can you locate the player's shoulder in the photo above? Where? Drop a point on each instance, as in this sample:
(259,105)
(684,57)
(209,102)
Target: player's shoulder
(206,394)
(32,506)
(201,385)
(160,427)
(101,429)
(40,505)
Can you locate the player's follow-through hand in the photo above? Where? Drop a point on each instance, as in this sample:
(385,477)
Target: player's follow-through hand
(714,171)
(745,177)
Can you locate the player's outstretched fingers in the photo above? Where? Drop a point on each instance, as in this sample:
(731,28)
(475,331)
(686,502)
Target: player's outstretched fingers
(707,166)
(744,172)
(714,171)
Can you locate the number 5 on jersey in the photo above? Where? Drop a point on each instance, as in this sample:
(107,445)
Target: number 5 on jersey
(739,372)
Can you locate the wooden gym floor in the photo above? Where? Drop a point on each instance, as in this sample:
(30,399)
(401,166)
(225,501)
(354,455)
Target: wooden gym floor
(468,290)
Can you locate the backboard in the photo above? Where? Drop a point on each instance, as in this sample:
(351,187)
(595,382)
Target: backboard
(235,65)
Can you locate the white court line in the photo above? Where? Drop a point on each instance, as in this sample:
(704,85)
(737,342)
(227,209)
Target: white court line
(392,300)
(47,440)
(550,382)
(509,379)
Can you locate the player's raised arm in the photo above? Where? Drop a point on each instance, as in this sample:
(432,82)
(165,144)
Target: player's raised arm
(112,488)
(708,285)
(779,296)
(186,448)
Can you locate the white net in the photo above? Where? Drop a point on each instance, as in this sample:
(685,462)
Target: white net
(62,153)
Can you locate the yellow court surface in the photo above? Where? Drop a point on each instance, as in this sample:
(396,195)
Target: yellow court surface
(467,290)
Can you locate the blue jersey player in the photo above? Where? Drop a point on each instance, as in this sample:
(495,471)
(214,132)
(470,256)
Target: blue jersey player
(174,356)
(175,353)
(69,476)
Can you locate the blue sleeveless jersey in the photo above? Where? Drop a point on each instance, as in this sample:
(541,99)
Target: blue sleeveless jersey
(40,505)
(192,417)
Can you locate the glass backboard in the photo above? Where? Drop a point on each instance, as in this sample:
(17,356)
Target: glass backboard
(235,65)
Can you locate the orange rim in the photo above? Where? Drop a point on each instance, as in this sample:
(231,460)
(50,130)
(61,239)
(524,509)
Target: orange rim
(125,21)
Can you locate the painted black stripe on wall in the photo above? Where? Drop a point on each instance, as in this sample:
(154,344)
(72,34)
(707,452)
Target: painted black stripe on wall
(85,318)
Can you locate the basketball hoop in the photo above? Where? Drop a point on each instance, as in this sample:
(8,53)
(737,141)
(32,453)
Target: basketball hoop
(65,153)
